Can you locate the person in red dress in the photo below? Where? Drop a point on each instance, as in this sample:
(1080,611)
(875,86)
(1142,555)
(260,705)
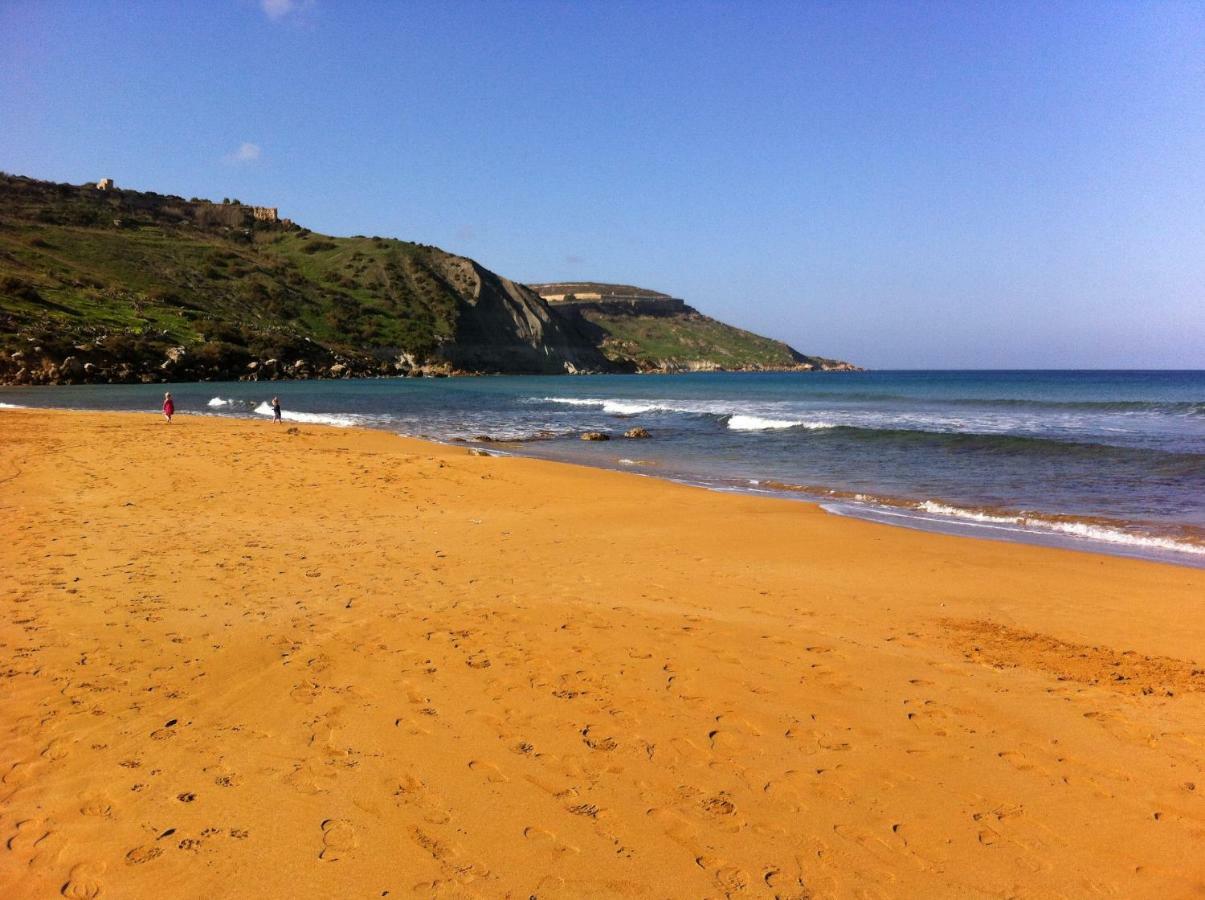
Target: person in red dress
(169,406)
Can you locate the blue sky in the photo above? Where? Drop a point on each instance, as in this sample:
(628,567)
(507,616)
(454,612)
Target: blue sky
(899,184)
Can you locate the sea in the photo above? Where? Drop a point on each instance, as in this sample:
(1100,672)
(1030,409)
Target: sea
(1105,461)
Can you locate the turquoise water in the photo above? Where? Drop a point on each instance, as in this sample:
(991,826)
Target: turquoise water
(1109,461)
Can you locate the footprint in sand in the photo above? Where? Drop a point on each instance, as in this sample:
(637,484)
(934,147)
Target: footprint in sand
(1017,759)
(412,791)
(18,773)
(731,880)
(56,749)
(97,806)
(541,837)
(338,838)
(35,840)
(605,744)
(491,772)
(411,726)
(309,778)
(83,883)
(143,854)
(306,692)
(676,829)
(719,805)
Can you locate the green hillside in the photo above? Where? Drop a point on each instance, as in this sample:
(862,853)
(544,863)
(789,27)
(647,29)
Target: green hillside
(692,341)
(119,285)
(650,331)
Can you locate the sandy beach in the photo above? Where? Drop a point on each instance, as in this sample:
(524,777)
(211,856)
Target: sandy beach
(246,660)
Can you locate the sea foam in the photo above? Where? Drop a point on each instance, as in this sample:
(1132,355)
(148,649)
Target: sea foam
(1091,531)
(613,407)
(758,423)
(733,419)
(339,421)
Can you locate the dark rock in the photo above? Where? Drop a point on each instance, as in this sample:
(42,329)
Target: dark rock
(596,436)
(71,369)
(637,432)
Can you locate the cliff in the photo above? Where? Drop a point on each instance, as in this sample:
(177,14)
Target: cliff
(649,331)
(111,285)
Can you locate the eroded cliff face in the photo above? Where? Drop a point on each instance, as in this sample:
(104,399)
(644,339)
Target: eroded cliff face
(503,326)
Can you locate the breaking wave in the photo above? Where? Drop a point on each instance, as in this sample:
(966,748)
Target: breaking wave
(339,421)
(616,407)
(1098,531)
(738,422)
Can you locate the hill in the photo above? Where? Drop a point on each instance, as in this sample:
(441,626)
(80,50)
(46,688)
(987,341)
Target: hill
(100,284)
(651,331)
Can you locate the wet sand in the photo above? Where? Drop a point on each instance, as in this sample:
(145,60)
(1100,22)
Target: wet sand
(244,660)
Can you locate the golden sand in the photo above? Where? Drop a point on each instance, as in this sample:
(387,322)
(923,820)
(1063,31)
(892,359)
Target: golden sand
(244,662)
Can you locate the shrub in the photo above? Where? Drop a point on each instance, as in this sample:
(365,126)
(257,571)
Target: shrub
(12,286)
(225,332)
(221,355)
(162,295)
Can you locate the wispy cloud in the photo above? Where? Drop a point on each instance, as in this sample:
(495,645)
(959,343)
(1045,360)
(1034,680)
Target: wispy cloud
(246,153)
(278,10)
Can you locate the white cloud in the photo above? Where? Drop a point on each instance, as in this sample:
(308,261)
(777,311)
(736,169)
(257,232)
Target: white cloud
(276,10)
(246,153)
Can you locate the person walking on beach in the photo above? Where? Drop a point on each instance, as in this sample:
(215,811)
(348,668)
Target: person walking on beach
(275,409)
(169,406)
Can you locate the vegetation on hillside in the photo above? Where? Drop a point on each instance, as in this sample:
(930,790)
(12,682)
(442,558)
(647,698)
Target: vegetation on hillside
(118,285)
(691,341)
(142,270)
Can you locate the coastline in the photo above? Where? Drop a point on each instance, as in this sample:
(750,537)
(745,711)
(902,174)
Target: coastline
(1106,461)
(390,665)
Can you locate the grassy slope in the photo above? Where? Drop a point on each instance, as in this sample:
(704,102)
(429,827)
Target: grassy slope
(147,272)
(66,268)
(688,338)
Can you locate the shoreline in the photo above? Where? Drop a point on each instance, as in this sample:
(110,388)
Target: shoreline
(345,662)
(1181,546)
